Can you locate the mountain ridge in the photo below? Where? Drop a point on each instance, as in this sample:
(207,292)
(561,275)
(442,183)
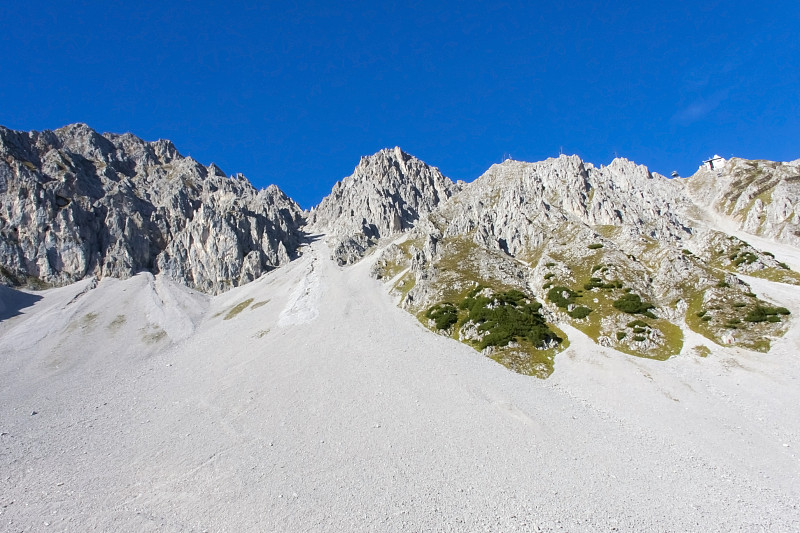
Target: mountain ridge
(630,257)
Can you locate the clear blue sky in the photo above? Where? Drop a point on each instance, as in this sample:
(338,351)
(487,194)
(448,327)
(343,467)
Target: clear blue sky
(295,95)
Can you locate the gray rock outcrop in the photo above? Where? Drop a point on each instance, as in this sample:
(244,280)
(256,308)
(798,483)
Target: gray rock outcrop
(387,193)
(759,197)
(74,203)
(515,206)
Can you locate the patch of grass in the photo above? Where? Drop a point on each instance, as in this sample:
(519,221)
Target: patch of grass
(779,275)
(404,285)
(702,351)
(117,323)
(152,333)
(238,308)
(259,304)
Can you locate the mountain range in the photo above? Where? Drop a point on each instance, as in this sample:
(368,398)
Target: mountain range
(182,352)
(627,256)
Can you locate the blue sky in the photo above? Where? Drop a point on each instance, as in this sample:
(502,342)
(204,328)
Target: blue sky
(294,94)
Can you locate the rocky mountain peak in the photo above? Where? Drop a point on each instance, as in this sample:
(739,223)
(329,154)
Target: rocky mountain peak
(74,203)
(386,194)
(760,197)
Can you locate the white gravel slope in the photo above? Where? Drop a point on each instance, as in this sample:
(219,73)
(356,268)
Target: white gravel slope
(326,408)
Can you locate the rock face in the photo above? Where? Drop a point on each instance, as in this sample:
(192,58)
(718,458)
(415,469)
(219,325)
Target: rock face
(612,250)
(623,254)
(74,203)
(386,194)
(513,205)
(760,197)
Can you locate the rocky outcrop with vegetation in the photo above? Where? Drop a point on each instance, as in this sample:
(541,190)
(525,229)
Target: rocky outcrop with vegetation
(760,197)
(612,251)
(627,256)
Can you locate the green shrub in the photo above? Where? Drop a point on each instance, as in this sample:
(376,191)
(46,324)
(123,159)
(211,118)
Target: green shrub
(580,312)
(443,315)
(782,311)
(637,324)
(595,246)
(557,296)
(706,318)
(510,315)
(756,315)
(722,284)
(549,275)
(632,303)
(686,252)
(701,314)
(621,335)
(784,266)
(638,338)
(773,318)
(550,264)
(739,304)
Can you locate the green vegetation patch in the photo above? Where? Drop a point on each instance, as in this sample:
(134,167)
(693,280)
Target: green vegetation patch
(152,333)
(702,351)
(508,321)
(779,274)
(259,304)
(444,315)
(580,312)
(238,308)
(508,316)
(117,323)
(595,246)
(722,317)
(633,304)
(765,314)
(563,297)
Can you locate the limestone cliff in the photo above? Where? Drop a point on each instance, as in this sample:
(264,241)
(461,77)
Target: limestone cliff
(386,194)
(74,203)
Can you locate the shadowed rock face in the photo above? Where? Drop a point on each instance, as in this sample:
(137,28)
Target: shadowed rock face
(74,203)
(386,194)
